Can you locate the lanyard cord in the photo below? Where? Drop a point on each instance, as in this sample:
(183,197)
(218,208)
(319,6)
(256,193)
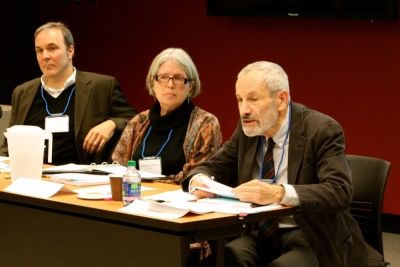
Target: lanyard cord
(47,105)
(162,147)
(262,150)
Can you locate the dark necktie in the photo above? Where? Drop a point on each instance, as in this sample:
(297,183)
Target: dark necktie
(268,229)
(268,170)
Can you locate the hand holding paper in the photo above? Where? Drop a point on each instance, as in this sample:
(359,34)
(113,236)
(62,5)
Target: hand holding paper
(215,188)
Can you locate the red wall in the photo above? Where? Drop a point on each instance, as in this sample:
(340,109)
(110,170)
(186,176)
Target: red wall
(345,68)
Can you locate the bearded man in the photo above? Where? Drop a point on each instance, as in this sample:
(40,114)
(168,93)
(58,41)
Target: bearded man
(283,152)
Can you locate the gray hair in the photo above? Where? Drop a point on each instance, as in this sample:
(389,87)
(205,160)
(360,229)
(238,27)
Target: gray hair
(275,78)
(68,38)
(186,63)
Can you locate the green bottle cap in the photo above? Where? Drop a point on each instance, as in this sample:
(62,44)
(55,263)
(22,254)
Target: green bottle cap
(131,163)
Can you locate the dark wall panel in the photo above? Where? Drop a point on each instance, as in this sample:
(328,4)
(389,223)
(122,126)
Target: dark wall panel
(345,68)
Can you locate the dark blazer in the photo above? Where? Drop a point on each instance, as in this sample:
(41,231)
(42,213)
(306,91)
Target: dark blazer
(320,174)
(97,98)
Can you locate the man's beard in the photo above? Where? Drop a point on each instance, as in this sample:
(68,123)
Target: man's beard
(265,122)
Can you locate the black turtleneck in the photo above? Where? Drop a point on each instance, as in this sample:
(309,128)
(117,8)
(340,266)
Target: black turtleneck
(172,156)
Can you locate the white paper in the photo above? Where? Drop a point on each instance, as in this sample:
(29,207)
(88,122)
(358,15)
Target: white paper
(2,158)
(80,179)
(216,188)
(218,192)
(110,168)
(34,187)
(233,206)
(214,184)
(169,196)
(70,167)
(194,207)
(153,209)
(106,168)
(177,209)
(103,189)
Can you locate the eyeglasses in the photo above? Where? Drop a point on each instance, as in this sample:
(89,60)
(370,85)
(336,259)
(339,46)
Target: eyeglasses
(177,80)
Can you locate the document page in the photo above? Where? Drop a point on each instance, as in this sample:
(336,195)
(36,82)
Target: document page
(171,196)
(216,188)
(234,206)
(177,209)
(33,187)
(153,209)
(80,179)
(70,167)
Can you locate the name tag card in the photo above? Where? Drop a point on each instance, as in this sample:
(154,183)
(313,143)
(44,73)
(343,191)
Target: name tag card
(57,124)
(150,165)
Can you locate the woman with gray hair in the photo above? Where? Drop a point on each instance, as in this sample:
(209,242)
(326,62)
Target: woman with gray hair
(174,135)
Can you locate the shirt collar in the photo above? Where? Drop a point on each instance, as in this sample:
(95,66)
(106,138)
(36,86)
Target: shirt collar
(56,92)
(280,136)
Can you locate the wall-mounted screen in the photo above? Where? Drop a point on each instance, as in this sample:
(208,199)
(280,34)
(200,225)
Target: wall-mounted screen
(370,9)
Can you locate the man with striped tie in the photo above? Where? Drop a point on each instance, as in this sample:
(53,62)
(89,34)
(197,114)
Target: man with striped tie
(284,152)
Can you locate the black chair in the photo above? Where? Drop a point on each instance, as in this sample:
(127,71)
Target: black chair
(369,181)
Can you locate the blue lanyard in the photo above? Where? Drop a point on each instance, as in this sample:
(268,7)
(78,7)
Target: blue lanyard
(162,147)
(262,151)
(47,105)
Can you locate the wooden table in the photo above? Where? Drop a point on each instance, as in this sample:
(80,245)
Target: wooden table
(66,231)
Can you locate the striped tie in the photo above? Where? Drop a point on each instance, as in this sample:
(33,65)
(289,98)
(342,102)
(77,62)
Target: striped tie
(268,237)
(268,170)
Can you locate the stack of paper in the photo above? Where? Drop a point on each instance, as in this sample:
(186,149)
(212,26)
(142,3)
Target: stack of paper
(101,169)
(166,210)
(175,204)
(89,169)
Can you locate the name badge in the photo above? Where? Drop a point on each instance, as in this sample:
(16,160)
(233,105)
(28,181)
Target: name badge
(152,165)
(57,123)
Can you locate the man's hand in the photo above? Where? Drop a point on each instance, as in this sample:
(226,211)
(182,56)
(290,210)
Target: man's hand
(259,192)
(197,181)
(98,136)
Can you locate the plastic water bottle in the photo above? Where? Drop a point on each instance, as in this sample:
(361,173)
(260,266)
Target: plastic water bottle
(131,183)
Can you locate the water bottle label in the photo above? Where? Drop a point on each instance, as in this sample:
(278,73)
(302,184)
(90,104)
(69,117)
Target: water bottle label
(135,190)
(131,190)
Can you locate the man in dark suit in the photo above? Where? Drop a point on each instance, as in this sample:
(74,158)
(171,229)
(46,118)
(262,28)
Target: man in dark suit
(310,172)
(86,112)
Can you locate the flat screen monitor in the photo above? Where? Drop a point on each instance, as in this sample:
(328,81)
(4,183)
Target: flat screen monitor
(369,9)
